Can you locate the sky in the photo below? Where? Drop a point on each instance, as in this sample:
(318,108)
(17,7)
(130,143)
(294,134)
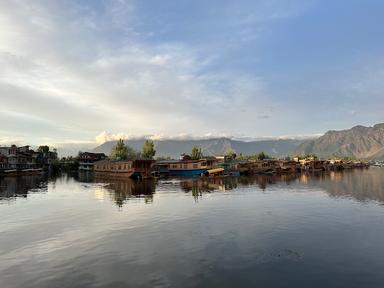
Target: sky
(83,72)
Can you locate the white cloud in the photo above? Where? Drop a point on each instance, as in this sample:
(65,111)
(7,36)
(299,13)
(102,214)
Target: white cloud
(105,137)
(76,70)
(74,73)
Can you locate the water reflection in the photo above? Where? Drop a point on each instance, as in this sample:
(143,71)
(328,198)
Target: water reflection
(122,190)
(361,185)
(367,185)
(207,185)
(12,187)
(280,238)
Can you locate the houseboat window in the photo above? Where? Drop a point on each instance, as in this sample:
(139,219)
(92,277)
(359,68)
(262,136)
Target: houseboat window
(174,166)
(119,167)
(194,165)
(185,166)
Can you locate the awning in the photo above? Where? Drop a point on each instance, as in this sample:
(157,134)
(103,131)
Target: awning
(216,170)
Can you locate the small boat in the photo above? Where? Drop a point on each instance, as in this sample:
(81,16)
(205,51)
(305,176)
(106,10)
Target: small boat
(214,172)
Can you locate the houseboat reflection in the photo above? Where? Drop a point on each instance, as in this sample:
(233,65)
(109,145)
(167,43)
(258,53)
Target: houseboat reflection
(20,186)
(360,185)
(126,189)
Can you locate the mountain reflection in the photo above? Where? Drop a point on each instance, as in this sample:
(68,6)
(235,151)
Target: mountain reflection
(12,187)
(361,186)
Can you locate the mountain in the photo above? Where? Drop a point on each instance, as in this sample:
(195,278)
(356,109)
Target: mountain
(360,142)
(217,146)
(72,149)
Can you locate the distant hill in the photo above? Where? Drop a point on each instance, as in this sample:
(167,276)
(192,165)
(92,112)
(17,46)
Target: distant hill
(360,142)
(217,146)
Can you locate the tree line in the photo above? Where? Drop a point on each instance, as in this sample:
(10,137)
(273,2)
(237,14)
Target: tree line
(121,151)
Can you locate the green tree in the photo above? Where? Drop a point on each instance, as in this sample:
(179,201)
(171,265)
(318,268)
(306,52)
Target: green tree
(43,149)
(230,153)
(261,156)
(54,153)
(196,153)
(148,149)
(122,152)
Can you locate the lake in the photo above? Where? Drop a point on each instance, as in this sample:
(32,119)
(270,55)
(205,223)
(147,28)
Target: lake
(308,230)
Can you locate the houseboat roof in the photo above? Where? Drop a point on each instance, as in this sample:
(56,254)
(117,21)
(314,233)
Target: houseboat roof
(179,161)
(122,161)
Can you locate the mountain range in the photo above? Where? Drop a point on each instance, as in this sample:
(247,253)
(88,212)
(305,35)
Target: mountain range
(360,142)
(210,147)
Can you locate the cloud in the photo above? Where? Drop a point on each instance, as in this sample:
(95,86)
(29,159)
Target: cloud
(4,140)
(87,68)
(105,137)
(70,69)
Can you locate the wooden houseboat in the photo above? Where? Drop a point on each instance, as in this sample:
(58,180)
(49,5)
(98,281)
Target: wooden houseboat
(288,166)
(229,167)
(313,165)
(336,164)
(258,167)
(265,167)
(88,159)
(190,167)
(243,167)
(136,169)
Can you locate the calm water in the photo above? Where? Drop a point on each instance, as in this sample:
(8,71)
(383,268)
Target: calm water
(295,231)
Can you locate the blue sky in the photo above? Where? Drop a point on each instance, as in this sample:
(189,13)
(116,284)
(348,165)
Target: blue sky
(82,72)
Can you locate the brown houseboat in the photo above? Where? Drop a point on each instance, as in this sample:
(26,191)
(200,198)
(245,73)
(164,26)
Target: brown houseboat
(136,169)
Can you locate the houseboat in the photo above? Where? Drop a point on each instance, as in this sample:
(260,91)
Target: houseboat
(87,160)
(161,168)
(336,164)
(136,169)
(265,167)
(288,166)
(20,172)
(229,168)
(312,164)
(189,167)
(257,167)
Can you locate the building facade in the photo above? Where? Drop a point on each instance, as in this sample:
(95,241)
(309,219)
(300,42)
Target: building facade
(87,160)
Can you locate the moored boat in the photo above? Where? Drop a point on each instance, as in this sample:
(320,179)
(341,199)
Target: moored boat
(20,172)
(188,167)
(137,169)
